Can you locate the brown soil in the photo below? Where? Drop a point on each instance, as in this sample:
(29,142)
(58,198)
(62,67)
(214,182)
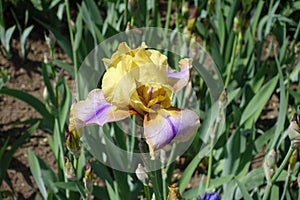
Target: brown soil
(25,76)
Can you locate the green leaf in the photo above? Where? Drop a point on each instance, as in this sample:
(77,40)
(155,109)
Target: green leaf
(78,34)
(264,138)
(46,174)
(282,107)
(94,12)
(257,103)
(243,190)
(271,16)
(188,172)
(100,192)
(81,164)
(111,193)
(37,173)
(6,39)
(64,66)
(61,39)
(233,151)
(7,157)
(90,24)
(275,192)
(2,150)
(64,106)
(254,178)
(231,15)
(24,36)
(67,185)
(296,95)
(37,4)
(48,84)
(217,182)
(80,189)
(31,100)
(220,29)
(257,15)
(102,172)
(232,94)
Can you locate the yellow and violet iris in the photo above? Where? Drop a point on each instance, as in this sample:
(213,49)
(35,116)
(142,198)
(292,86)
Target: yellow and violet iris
(139,81)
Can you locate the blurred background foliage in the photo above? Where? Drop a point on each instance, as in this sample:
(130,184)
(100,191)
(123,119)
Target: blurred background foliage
(255,46)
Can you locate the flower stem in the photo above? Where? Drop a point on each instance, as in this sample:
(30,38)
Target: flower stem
(278,172)
(285,186)
(209,167)
(147,192)
(72,42)
(168,15)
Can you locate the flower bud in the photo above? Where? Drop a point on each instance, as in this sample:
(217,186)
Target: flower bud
(297,48)
(162,156)
(70,173)
(270,164)
(195,52)
(47,58)
(186,34)
(73,142)
(236,24)
(46,94)
(293,160)
(211,6)
(141,174)
(164,174)
(294,131)
(88,178)
(223,98)
(272,158)
(192,19)
(185,9)
(173,192)
(50,40)
(269,172)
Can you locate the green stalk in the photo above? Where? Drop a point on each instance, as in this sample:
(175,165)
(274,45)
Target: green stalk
(164,185)
(298,194)
(132,137)
(287,180)
(155,13)
(209,167)
(72,42)
(231,64)
(168,14)
(126,13)
(61,160)
(1,14)
(278,172)
(147,192)
(155,176)
(212,141)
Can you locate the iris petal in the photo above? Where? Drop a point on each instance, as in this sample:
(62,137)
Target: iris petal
(165,125)
(179,79)
(94,110)
(118,84)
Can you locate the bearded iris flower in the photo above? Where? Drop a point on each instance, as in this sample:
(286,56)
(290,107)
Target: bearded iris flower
(139,81)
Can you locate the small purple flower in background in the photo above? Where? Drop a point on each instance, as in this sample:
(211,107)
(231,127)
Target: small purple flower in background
(210,196)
